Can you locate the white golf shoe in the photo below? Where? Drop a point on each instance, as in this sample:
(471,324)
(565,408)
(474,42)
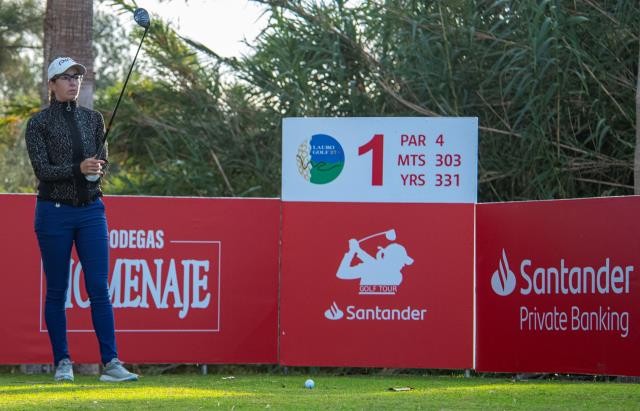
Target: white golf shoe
(114,371)
(64,370)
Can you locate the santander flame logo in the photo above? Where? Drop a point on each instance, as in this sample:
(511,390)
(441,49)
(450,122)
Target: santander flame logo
(333,313)
(503,280)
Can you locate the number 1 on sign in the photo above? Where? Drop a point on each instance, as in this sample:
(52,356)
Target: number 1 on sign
(376,146)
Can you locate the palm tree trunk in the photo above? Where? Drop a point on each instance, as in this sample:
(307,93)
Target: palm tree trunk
(636,163)
(68,31)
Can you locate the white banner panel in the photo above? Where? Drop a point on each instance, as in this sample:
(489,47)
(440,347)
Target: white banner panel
(380,159)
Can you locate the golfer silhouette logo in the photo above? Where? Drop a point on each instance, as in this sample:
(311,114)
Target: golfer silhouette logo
(380,274)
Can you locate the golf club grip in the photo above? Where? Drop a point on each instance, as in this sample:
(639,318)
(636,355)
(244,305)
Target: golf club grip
(124,86)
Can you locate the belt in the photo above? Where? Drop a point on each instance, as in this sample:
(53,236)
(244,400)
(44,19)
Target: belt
(73,203)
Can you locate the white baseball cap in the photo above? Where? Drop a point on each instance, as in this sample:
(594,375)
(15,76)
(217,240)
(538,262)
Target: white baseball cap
(62,64)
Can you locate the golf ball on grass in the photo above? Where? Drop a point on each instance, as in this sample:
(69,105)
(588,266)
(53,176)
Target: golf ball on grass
(309,384)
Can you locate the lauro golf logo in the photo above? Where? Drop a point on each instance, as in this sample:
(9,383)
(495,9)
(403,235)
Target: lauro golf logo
(321,159)
(565,281)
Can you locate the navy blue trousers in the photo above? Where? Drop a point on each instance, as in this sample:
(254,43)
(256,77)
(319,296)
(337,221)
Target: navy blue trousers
(59,226)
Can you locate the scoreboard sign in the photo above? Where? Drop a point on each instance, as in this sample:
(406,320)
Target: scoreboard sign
(380,159)
(377,263)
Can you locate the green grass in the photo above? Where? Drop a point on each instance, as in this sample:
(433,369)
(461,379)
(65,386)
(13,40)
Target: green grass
(276,391)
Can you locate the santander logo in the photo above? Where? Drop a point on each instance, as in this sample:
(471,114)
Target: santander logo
(503,280)
(333,313)
(563,278)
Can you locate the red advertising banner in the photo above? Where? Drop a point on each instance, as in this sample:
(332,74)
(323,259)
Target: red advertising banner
(377,285)
(192,280)
(558,286)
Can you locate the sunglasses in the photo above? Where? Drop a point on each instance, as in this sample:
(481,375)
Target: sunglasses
(69,77)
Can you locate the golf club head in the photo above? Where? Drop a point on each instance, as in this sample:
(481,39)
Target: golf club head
(141,16)
(391,235)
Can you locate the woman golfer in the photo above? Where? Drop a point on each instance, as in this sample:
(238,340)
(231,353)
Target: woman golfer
(62,140)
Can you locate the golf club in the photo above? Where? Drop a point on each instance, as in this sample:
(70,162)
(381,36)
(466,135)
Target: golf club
(390,234)
(141,16)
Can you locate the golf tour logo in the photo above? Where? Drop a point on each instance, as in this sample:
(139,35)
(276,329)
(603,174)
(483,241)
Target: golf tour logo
(381,274)
(503,280)
(334,313)
(566,282)
(378,275)
(320,160)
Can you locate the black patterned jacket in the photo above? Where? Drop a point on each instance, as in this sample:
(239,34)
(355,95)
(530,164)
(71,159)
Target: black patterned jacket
(50,146)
